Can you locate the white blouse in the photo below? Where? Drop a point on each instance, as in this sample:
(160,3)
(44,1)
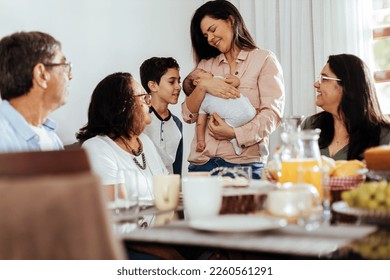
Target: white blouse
(107,158)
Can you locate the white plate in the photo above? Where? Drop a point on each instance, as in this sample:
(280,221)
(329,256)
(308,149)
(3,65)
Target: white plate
(237,223)
(343,208)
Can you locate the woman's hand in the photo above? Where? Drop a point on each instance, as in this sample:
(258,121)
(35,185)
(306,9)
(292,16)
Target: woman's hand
(232,80)
(219,88)
(219,129)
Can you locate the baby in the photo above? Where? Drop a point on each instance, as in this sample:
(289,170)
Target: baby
(235,112)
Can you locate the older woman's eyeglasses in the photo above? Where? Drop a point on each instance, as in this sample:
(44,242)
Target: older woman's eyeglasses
(67,65)
(321,79)
(147,98)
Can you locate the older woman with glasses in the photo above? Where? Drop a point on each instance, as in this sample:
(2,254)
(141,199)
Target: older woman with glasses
(113,137)
(352,120)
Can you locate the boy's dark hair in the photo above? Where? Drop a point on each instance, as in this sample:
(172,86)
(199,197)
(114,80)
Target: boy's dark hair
(154,68)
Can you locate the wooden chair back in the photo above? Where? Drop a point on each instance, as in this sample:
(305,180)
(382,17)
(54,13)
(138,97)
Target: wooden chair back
(44,163)
(52,207)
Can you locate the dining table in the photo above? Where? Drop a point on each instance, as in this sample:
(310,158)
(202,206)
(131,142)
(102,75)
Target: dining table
(342,235)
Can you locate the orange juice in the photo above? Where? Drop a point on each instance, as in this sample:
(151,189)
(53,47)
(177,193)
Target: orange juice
(302,171)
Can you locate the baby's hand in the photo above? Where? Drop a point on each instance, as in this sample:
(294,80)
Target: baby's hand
(200,146)
(232,80)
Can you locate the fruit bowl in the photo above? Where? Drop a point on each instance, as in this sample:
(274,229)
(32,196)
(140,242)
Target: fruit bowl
(374,196)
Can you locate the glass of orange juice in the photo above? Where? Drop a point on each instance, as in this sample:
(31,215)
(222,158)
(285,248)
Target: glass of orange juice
(305,170)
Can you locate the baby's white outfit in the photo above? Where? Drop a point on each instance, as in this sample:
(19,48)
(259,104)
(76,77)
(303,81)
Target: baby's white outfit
(235,111)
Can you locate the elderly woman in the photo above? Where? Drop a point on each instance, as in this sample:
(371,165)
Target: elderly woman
(352,120)
(117,116)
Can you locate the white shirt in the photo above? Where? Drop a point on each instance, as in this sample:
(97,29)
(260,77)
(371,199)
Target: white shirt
(107,158)
(45,141)
(166,136)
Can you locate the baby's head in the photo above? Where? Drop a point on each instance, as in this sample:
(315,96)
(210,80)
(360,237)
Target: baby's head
(191,80)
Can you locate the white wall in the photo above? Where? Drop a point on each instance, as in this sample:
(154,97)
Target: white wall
(104,36)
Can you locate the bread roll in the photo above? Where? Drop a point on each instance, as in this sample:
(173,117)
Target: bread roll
(378,158)
(347,168)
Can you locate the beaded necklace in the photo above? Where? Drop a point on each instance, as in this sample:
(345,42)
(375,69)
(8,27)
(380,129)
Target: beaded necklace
(136,153)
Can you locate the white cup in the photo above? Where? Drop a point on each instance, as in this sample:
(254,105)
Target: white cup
(202,196)
(166,190)
(289,203)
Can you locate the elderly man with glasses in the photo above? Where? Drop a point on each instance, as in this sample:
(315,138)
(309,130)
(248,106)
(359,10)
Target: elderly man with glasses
(34,78)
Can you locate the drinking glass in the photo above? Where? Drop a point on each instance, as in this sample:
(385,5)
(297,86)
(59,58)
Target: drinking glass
(126,197)
(244,171)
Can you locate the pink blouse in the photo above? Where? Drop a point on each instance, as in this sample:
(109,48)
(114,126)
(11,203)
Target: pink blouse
(261,79)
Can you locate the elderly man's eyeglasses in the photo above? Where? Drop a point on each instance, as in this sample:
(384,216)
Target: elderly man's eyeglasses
(67,65)
(321,78)
(147,98)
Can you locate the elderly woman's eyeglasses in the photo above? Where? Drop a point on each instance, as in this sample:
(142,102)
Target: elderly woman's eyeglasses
(147,98)
(321,78)
(67,65)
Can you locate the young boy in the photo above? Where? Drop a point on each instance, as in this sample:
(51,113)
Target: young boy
(160,77)
(235,112)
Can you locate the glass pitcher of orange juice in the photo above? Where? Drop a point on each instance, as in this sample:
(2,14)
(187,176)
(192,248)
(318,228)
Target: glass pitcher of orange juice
(300,161)
(290,126)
